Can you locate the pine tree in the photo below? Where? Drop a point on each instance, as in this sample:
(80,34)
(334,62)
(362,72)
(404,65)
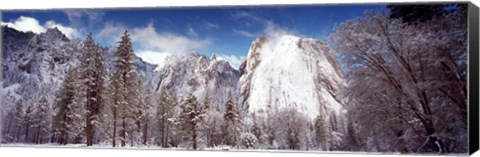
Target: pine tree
(213,123)
(27,120)
(293,135)
(257,130)
(18,118)
(232,122)
(93,75)
(135,107)
(67,116)
(118,99)
(147,109)
(165,113)
(10,122)
(190,117)
(322,132)
(42,121)
(123,80)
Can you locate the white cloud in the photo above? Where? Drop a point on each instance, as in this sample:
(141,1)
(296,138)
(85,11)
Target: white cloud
(68,31)
(247,15)
(234,61)
(274,31)
(26,24)
(154,57)
(153,46)
(76,15)
(206,24)
(243,33)
(110,33)
(192,32)
(149,39)
(271,30)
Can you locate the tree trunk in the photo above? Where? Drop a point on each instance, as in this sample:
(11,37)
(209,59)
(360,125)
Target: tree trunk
(88,129)
(9,126)
(37,135)
(162,131)
(52,139)
(18,133)
(114,126)
(166,134)
(64,134)
(27,130)
(194,137)
(123,133)
(145,132)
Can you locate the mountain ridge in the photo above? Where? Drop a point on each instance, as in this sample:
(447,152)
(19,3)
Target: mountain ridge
(255,84)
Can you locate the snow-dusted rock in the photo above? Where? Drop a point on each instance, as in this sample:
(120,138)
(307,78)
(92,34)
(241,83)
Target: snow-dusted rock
(290,72)
(194,73)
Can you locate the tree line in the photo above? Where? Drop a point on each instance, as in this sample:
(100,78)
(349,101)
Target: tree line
(94,106)
(406,92)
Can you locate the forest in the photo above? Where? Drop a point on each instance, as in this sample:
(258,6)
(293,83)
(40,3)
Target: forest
(406,73)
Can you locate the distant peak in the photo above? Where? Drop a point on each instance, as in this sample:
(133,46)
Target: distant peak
(53,30)
(213,57)
(55,33)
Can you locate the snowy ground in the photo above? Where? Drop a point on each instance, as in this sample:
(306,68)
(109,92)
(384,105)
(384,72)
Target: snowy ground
(217,149)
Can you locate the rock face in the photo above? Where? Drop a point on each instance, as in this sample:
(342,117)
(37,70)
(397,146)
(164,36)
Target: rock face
(290,72)
(277,73)
(197,74)
(14,40)
(34,65)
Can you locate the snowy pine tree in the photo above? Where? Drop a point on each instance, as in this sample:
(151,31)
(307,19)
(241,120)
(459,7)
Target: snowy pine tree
(213,123)
(67,118)
(118,100)
(258,130)
(42,120)
(190,117)
(232,122)
(93,75)
(323,132)
(10,124)
(27,120)
(124,80)
(147,108)
(165,113)
(135,108)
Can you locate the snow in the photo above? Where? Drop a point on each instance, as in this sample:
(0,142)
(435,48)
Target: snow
(286,77)
(11,91)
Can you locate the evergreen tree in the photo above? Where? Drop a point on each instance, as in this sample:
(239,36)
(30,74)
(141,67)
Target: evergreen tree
(10,121)
(27,120)
(124,79)
(257,130)
(232,122)
(147,109)
(42,121)
(93,76)
(68,106)
(117,90)
(213,123)
(135,108)
(190,117)
(18,118)
(322,131)
(165,113)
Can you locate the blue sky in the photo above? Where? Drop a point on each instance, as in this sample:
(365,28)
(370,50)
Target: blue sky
(159,32)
